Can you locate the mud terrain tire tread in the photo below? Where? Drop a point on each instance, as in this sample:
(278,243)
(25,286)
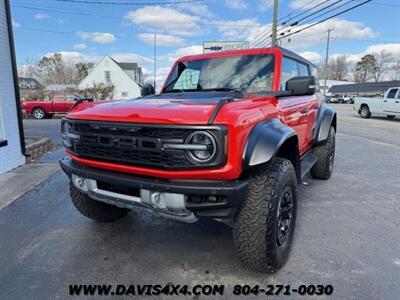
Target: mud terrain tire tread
(254,230)
(95,210)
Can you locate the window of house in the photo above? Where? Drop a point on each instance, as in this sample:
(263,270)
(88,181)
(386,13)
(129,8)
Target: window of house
(124,94)
(107,76)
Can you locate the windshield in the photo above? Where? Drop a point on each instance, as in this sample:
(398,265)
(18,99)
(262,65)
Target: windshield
(246,73)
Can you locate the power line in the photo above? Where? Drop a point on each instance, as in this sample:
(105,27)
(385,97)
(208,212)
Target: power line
(130,3)
(266,36)
(333,9)
(150,20)
(302,13)
(326,19)
(312,14)
(322,9)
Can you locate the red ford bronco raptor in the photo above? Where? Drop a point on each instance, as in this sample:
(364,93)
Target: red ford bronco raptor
(229,137)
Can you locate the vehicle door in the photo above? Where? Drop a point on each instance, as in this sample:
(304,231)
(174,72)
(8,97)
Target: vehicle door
(297,111)
(391,102)
(69,102)
(58,103)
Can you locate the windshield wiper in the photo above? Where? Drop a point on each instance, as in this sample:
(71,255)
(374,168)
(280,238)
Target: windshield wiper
(223,89)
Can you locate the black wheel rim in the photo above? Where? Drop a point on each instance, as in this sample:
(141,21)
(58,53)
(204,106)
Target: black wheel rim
(285,215)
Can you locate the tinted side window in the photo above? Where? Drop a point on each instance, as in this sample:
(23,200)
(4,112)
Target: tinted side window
(392,93)
(289,70)
(303,69)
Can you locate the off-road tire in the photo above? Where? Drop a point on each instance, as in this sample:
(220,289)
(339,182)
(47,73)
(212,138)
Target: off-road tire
(390,116)
(255,225)
(326,157)
(365,113)
(39,113)
(95,210)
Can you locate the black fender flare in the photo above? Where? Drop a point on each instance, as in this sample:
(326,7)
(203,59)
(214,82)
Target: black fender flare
(325,119)
(265,140)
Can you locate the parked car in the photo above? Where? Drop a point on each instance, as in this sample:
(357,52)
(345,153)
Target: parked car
(389,105)
(59,103)
(229,138)
(332,100)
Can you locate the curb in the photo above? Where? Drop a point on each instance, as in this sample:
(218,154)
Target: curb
(38,148)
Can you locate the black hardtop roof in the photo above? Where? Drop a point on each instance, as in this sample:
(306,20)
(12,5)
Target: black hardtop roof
(295,56)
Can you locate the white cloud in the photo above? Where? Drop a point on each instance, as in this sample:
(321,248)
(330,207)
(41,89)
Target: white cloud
(80,46)
(196,9)
(185,51)
(41,16)
(15,24)
(312,56)
(162,40)
(243,29)
(317,34)
(168,20)
(266,4)
(236,4)
(97,37)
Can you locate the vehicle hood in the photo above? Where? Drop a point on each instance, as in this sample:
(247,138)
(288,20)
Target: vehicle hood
(174,108)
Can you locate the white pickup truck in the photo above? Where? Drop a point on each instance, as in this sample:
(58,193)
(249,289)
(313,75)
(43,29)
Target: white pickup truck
(389,105)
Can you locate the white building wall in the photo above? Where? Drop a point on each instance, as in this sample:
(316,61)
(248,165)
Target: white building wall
(121,81)
(10,155)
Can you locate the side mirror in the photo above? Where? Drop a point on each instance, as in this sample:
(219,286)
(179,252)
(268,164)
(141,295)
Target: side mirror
(148,90)
(301,86)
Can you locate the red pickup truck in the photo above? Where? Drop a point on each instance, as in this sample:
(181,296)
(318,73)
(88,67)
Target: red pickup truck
(58,104)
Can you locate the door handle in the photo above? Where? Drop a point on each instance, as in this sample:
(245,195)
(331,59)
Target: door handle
(384,100)
(396,101)
(305,111)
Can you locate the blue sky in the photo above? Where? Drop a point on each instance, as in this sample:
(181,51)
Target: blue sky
(86,32)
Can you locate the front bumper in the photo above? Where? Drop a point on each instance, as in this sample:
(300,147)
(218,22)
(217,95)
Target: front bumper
(203,198)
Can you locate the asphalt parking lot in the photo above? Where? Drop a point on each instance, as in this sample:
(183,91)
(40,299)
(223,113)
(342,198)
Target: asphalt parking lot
(347,234)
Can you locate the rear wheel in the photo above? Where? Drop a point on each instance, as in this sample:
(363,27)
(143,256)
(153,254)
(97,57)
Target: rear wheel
(365,113)
(263,228)
(38,113)
(326,157)
(95,210)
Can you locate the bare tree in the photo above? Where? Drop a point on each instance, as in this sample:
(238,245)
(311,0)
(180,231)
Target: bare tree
(396,68)
(338,68)
(382,59)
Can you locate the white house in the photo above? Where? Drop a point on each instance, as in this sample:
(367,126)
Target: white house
(127,78)
(12,143)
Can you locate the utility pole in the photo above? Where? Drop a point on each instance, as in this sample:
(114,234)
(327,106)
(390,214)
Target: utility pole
(327,60)
(155,60)
(275,23)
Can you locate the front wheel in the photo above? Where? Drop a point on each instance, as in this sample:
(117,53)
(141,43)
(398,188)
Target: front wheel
(95,210)
(390,116)
(264,226)
(38,113)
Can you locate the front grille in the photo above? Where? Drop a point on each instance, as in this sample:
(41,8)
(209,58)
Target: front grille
(134,144)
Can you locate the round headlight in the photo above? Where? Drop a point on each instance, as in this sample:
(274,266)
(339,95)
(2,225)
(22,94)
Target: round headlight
(203,154)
